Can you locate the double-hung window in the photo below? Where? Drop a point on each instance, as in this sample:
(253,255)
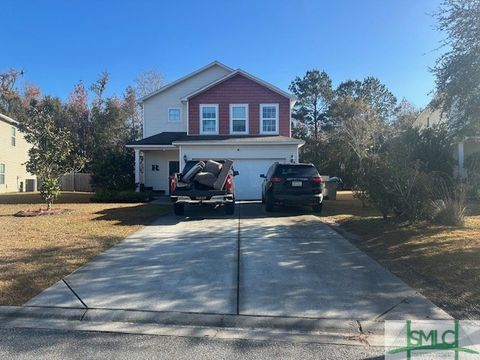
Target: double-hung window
(269,118)
(14,136)
(209,119)
(2,174)
(174,115)
(238,118)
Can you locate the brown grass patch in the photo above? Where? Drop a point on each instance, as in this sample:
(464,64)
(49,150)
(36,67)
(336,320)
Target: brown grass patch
(36,252)
(441,262)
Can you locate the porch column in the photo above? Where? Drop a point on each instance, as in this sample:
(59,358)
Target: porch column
(137,170)
(461,160)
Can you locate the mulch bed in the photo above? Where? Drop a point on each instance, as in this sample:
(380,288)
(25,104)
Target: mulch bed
(41,212)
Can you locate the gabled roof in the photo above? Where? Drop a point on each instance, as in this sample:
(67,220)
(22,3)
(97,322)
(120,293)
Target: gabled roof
(168,86)
(245,74)
(8,119)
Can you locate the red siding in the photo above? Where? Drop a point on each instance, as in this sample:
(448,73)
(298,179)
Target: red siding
(239,90)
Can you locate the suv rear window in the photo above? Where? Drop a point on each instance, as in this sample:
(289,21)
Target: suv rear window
(296,171)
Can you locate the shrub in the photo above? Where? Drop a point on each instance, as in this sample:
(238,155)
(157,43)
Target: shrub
(112,170)
(378,184)
(108,196)
(401,177)
(450,209)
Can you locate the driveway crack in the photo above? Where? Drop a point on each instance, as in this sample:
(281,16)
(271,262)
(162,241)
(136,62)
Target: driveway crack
(74,293)
(403,301)
(238,260)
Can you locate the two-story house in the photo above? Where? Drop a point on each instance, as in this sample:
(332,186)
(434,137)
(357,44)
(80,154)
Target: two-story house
(215,113)
(13,155)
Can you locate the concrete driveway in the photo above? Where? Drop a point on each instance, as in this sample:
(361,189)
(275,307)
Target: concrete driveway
(253,263)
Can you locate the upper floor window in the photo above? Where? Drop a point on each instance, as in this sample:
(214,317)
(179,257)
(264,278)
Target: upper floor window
(14,136)
(2,174)
(238,118)
(174,115)
(209,119)
(269,118)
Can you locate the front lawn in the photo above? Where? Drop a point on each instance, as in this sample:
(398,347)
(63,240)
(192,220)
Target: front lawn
(35,252)
(441,262)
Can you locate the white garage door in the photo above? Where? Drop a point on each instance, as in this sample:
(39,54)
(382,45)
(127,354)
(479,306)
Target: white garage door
(248,184)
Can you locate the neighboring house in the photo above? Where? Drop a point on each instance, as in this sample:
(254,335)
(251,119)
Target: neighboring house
(214,113)
(13,155)
(431,117)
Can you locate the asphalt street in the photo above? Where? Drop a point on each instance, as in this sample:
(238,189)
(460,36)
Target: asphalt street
(35,344)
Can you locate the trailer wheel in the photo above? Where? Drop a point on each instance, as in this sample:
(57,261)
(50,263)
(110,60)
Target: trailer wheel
(178,208)
(230,208)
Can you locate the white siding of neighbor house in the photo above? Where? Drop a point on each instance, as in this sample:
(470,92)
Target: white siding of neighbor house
(158,179)
(155,109)
(429,118)
(14,158)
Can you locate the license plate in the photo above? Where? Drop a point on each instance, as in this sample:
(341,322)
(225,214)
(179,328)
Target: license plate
(296,184)
(201,198)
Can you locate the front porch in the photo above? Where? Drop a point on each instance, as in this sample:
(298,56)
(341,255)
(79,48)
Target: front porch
(154,165)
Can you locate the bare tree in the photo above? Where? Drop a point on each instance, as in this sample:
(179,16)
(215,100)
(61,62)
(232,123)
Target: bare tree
(148,82)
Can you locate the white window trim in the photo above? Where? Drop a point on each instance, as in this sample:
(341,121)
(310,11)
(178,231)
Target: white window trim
(201,119)
(168,115)
(276,119)
(246,120)
(13,139)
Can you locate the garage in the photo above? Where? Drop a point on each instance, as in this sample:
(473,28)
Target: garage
(248,184)
(250,158)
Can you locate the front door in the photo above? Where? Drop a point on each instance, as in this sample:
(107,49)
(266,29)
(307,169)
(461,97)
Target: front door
(173,167)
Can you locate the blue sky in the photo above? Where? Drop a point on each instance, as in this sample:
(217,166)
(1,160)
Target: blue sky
(58,43)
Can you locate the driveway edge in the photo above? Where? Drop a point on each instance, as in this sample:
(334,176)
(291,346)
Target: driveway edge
(219,326)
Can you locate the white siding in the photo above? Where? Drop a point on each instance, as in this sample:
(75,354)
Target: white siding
(156,107)
(239,151)
(251,160)
(14,158)
(158,179)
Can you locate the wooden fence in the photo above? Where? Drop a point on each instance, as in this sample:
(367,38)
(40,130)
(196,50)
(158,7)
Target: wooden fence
(76,182)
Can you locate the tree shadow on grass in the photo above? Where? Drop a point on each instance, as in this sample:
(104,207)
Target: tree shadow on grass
(142,214)
(30,271)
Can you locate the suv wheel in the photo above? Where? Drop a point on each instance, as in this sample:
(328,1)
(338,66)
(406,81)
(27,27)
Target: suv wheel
(318,208)
(269,203)
(178,208)
(230,208)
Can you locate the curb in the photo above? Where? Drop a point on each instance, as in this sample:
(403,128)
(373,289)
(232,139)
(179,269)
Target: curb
(220,326)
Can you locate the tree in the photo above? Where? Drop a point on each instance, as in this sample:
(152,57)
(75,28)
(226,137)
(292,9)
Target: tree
(457,71)
(11,103)
(314,93)
(50,154)
(147,82)
(359,127)
(133,112)
(405,115)
(361,113)
(112,163)
(78,122)
(372,92)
